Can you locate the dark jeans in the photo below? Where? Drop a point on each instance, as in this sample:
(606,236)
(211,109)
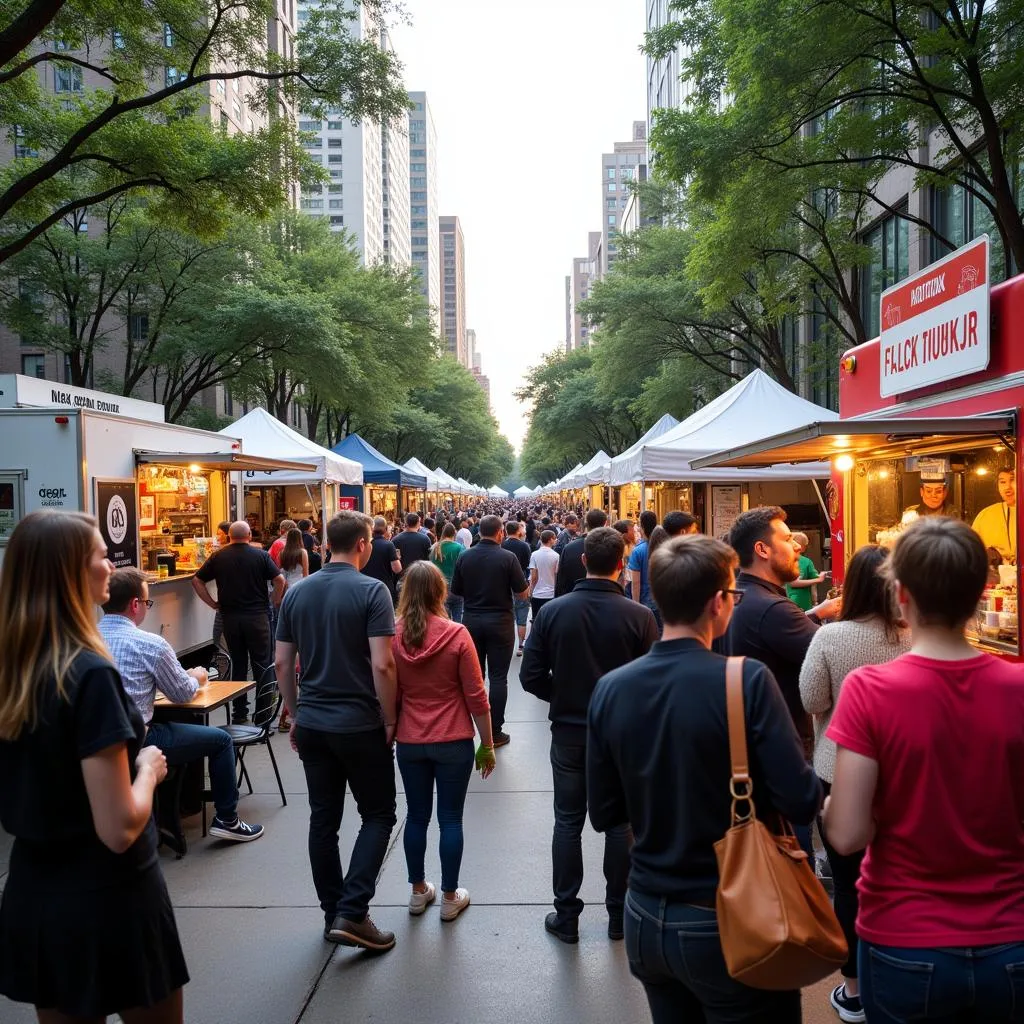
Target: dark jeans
(845,902)
(182,743)
(249,643)
(675,951)
(364,762)
(449,766)
(454,605)
(979,985)
(495,641)
(536,603)
(568,771)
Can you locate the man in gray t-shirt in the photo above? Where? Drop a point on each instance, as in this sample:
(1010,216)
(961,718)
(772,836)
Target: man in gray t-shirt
(339,624)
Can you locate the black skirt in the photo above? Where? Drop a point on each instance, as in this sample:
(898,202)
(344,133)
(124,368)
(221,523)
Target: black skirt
(89,953)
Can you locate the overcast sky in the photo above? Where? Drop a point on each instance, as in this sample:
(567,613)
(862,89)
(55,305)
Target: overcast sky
(525,97)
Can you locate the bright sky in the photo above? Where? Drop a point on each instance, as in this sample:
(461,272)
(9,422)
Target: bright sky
(525,97)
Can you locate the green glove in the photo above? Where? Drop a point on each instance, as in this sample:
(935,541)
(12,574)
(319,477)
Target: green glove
(485,758)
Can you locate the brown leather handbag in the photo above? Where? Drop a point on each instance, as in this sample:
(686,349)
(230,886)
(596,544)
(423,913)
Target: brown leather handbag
(775,920)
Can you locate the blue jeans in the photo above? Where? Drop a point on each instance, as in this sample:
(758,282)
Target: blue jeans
(454,606)
(977,985)
(568,772)
(449,765)
(182,743)
(675,952)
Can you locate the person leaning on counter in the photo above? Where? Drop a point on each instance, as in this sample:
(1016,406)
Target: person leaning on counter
(997,524)
(934,495)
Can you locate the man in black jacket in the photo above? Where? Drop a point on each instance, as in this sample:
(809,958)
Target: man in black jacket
(658,757)
(571,565)
(486,577)
(575,640)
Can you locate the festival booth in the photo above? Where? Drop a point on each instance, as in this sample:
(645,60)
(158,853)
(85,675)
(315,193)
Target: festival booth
(668,480)
(930,425)
(497,492)
(450,487)
(386,484)
(562,485)
(623,491)
(268,496)
(522,492)
(589,483)
(435,488)
(158,490)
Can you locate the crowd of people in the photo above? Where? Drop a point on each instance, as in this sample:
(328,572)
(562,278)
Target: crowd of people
(870,721)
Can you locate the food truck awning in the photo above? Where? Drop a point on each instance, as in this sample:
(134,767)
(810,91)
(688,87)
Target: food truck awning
(868,438)
(229,461)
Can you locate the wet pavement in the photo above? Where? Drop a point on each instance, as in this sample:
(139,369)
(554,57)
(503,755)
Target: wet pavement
(251,926)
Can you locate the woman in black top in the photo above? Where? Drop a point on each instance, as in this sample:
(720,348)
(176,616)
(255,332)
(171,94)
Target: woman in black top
(86,926)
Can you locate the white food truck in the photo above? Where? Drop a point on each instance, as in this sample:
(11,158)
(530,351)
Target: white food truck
(158,490)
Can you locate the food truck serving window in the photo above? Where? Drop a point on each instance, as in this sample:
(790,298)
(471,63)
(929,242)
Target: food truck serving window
(897,470)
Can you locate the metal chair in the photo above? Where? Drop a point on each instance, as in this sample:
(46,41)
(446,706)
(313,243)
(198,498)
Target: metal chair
(268,703)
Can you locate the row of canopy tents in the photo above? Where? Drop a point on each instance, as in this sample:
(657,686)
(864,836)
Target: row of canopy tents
(350,465)
(755,407)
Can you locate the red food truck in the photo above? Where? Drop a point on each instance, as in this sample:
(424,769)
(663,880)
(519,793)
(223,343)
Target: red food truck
(929,425)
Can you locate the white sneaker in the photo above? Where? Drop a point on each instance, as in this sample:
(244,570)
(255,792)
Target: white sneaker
(419,901)
(450,909)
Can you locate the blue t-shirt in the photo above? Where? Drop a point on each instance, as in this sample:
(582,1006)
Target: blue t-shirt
(638,563)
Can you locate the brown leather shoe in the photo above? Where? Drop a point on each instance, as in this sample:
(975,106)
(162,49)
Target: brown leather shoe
(364,934)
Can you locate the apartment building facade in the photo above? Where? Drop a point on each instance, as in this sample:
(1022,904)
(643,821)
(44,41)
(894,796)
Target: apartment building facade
(423,200)
(453,288)
(618,171)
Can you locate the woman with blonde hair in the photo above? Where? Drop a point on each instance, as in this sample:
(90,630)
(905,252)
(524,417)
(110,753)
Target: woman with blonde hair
(86,925)
(440,694)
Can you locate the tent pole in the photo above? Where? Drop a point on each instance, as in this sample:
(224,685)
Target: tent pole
(821,501)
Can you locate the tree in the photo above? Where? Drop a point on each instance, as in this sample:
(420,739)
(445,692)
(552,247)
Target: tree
(859,87)
(132,80)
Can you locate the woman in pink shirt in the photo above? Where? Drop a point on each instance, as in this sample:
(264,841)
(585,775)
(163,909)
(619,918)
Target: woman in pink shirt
(929,777)
(440,694)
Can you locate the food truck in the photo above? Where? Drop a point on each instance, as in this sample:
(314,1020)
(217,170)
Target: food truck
(158,490)
(929,425)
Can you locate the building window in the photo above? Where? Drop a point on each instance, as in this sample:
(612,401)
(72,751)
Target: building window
(334,158)
(418,137)
(889,242)
(419,106)
(313,143)
(418,225)
(414,153)
(309,126)
(418,182)
(117,39)
(419,240)
(612,219)
(418,210)
(335,173)
(421,168)
(961,216)
(172,76)
(33,366)
(312,204)
(334,143)
(229,404)
(418,196)
(611,204)
(335,126)
(337,221)
(138,327)
(168,35)
(612,186)
(335,189)
(67,78)
(336,204)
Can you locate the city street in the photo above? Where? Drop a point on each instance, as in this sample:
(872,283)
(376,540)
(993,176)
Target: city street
(251,926)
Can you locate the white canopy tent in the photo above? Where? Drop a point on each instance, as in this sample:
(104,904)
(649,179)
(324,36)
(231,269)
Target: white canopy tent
(522,492)
(497,492)
(263,434)
(448,483)
(755,407)
(433,480)
(594,471)
(618,468)
(562,483)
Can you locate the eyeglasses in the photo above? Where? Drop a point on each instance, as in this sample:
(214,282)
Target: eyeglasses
(148,602)
(737,595)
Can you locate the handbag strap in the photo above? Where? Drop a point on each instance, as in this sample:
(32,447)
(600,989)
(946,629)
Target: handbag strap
(738,739)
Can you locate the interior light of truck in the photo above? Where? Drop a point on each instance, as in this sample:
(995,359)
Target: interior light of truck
(194,467)
(843,463)
(982,471)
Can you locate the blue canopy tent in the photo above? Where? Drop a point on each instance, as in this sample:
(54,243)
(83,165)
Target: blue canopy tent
(384,481)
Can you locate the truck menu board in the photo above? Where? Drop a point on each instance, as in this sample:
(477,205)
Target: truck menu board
(118,521)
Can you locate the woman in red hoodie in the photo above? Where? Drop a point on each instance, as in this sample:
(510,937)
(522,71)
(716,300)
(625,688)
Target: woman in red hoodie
(440,693)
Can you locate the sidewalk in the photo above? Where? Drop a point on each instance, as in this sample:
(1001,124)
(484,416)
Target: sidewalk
(252,929)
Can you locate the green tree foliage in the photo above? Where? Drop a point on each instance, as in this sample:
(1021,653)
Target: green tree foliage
(834,94)
(131,81)
(571,416)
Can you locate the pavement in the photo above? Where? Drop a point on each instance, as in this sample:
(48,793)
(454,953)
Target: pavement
(251,926)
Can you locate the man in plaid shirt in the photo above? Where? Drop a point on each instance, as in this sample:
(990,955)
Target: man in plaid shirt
(147,663)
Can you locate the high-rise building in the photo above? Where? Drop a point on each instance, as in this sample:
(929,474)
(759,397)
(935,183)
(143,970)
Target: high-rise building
(580,281)
(481,378)
(453,292)
(353,155)
(618,170)
(665,88)
(423,204)
(395,186)
(471,352)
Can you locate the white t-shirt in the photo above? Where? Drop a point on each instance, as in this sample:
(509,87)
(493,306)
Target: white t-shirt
(464,537)
(545,561)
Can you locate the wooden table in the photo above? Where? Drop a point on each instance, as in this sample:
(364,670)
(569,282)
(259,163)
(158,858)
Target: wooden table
(215,694)
(219,693)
